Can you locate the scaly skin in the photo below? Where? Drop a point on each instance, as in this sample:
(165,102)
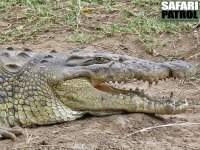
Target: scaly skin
(40,89)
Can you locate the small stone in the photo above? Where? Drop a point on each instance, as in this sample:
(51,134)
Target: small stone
(55,132)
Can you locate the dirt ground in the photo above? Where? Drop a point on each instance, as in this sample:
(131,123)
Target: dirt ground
(111,132)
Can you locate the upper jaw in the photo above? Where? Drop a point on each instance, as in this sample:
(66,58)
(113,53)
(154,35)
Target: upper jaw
(131,68)
(148,71)
(176,69)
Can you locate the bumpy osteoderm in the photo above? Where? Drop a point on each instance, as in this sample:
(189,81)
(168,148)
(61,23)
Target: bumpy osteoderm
(40,89)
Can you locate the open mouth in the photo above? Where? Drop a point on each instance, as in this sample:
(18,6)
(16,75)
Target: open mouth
(119,87)
(92,96)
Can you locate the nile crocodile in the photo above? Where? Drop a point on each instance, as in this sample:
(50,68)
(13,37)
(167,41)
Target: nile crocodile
(41,89)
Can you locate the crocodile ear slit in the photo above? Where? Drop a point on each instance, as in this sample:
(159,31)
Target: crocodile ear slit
(11,67)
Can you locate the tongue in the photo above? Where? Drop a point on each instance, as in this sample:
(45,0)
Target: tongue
(107,89)
(95,82)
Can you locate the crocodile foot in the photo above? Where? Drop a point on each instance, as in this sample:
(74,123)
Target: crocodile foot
(10,133)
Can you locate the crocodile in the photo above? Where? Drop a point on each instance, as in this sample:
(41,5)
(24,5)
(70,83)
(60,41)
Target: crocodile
(42,89)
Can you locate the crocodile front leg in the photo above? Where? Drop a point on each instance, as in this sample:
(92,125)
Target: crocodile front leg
(10,133)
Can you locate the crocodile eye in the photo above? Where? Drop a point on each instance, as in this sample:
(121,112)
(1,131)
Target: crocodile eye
(101,60)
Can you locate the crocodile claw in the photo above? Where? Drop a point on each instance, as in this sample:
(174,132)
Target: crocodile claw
(10,133)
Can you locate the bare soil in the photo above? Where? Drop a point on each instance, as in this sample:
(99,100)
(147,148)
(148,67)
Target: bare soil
(109,132)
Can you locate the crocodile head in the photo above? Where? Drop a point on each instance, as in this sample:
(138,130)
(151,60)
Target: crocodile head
(86,76)
(38,89)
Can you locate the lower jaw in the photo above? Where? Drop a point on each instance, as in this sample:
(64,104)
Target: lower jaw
(166,105)
(104,98)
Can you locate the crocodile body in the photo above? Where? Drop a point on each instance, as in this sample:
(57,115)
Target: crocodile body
(40,89)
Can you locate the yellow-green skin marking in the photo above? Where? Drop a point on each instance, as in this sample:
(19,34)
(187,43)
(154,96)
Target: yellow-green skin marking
(40,89)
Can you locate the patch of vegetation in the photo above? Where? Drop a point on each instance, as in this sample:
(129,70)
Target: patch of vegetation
(25,19)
